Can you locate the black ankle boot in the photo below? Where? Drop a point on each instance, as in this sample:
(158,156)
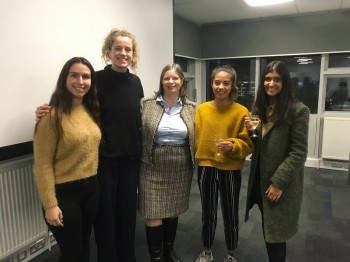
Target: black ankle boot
(155,243)
(169,233)
(169,253)
(276,251)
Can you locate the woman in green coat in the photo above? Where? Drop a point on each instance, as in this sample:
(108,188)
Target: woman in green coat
(277,165)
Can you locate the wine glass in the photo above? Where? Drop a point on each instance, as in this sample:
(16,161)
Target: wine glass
(254,121)
(219,155)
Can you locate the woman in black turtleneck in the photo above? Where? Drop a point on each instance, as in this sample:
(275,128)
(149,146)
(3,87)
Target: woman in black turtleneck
(119,93)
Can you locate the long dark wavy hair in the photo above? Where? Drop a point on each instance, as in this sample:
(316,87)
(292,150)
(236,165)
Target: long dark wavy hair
(284,108)
(61,99)
(178,70)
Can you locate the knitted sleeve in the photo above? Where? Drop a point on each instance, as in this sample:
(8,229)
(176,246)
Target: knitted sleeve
(45,143)
(242,144)
(197,125)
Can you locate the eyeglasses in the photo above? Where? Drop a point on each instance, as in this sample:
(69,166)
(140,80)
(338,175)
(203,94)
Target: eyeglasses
(276,79)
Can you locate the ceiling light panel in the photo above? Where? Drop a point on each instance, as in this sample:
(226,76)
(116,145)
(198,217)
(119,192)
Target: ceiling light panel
(266,2)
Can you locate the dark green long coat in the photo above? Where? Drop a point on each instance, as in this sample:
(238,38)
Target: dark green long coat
(283,152)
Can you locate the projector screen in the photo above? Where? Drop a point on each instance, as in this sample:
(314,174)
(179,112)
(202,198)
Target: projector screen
(39,36)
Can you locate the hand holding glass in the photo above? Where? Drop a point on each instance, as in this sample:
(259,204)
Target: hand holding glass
(254,121)
(219,155)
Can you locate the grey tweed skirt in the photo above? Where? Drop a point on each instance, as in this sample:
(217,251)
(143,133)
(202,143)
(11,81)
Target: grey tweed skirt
(164,188)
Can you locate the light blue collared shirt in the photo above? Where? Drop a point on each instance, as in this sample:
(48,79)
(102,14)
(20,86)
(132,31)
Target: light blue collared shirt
(171,129)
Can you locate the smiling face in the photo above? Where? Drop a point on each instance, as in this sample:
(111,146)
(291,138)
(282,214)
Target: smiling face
(78,82)
(273,83)
(222,86)
(172,82)
(121,53)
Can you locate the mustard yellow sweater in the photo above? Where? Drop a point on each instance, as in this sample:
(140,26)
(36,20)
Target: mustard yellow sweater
(73,157)
(221,122)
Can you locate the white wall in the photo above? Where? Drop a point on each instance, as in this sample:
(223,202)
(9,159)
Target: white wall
(39,36)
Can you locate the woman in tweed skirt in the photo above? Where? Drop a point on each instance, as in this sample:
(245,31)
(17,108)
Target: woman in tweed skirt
(167,161)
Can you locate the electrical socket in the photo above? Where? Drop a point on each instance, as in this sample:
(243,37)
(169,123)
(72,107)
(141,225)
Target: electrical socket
(337,165)
(37,246)
(22,255)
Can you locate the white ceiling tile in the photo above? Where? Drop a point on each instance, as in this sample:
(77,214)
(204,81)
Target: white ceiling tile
(187,1)
(278,10)
(214,11)
(307,6)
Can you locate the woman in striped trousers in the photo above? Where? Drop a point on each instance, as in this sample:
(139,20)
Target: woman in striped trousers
(222,143)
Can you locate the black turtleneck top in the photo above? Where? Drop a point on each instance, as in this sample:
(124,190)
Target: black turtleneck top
(119,96)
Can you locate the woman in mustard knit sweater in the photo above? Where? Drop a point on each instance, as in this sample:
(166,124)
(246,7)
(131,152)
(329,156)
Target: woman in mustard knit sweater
(222,143)
(65,160)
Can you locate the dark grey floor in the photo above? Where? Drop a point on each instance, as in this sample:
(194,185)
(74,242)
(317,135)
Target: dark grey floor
(324,233)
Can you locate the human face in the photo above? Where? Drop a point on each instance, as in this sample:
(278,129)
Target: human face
(121,53)
(78,81)
(172,83)
(273,83)
(222,86)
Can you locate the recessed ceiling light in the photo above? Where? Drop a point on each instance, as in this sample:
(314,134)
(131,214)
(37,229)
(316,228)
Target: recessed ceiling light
(266,2)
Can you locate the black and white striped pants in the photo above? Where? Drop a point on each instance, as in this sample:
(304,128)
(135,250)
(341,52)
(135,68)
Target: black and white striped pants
(211,181)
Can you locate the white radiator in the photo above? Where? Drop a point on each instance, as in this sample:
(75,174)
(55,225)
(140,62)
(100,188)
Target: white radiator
(336,138)
(21,219)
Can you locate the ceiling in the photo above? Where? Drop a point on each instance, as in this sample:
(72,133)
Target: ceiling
(217,11)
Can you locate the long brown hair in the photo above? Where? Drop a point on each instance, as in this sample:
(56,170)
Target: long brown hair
(284,108)
(61,99)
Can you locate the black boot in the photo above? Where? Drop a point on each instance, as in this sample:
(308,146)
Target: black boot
(276,251)
(155,243)
(169,233)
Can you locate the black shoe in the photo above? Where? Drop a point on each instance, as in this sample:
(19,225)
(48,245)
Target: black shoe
(172,258)
(159,259)
(169,253)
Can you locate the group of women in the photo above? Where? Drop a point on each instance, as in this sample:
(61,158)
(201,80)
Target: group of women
(146,152)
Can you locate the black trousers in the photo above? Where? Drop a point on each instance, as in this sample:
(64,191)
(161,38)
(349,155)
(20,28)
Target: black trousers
(116,219)
(78,201)
(228,182)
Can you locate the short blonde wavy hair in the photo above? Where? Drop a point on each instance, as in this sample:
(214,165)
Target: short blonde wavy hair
(109,40)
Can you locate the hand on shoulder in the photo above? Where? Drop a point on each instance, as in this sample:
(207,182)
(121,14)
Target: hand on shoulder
(41,111)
